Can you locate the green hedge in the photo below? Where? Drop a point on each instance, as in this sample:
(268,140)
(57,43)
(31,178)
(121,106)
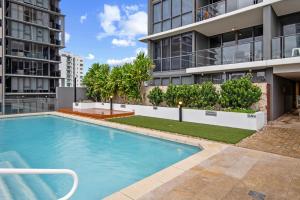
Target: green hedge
(238,94)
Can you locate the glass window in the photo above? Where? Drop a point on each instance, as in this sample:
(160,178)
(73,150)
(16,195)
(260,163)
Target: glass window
(245,35)
(167,25)
(157,28)
(291,29)
(176,80)
(157,12)
(157,50)
(176,22)
(215,41)
(187,6)
(186,80)
(229,39)
(166,9)
(165,81)
(176,46)
(176,7)
(218,78)
(157,81)
(166,48)
(187,43)
(187,19)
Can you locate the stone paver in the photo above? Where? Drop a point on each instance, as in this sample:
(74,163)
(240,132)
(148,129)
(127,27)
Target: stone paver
(280,137)
(223,177)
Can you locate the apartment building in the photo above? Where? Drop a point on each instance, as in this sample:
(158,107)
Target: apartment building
(193,41)
(71,66)
(32,32)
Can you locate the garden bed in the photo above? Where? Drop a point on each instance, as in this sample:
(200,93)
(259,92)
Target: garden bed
(255,121)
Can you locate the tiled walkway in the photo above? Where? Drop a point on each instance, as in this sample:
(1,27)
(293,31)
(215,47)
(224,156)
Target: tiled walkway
(235,173)
(280,137)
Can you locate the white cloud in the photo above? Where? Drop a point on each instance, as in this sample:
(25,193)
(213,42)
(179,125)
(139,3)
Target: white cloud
(110,15)
(117,62)
(125,24)
(122,43)
(83,18)
(128,9)
(67,37)
(142,49)
(90,57)
(136,24)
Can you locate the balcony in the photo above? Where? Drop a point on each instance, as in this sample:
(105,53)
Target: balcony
(286,46)
(28,54)
(56,26)
(222,7)
(55,42)
(55,73)
(247,52)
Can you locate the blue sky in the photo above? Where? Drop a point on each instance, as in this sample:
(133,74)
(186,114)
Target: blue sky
(105,31)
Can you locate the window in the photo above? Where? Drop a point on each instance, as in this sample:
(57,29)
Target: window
(166,47)
(166,25)
(187,6)
(165,81)
(166,9)
(176,7)
(187,19)
(157,50)
(157,12)
(186,80)
(172,14)
(175,80)
(229,39)
(245,35)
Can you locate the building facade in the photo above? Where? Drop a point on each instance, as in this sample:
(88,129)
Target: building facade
(193,41)
(32,32)
(71,67)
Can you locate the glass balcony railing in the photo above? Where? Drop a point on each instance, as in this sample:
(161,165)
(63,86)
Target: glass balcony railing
(286,46)
(247,52)
(222,7)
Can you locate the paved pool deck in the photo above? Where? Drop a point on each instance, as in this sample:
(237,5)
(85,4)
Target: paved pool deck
(237,174)
(281,136)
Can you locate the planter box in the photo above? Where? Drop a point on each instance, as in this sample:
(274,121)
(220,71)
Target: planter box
(254,121)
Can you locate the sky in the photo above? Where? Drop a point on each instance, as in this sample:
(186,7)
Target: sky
(105,31)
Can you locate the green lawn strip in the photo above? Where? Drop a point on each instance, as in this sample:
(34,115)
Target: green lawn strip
(210,132)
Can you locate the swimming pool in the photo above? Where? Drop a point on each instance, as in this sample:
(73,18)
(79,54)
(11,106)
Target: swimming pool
(105,159)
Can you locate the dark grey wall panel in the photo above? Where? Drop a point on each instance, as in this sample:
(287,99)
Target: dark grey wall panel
(65,96)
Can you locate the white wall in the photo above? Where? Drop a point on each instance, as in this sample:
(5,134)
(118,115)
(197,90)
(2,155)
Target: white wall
(229,119)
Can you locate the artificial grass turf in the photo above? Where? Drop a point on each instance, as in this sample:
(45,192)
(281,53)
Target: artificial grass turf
(210,132)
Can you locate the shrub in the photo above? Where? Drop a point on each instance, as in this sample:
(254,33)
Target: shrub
(171,96)
(156,96)
(204,96)
(239,93)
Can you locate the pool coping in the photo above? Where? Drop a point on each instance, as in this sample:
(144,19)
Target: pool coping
(142,187)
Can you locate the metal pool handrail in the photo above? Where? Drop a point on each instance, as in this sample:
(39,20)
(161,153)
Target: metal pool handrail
(47,171)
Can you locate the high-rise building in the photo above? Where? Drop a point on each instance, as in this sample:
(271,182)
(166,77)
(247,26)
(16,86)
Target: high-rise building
(32,33)
(193,41)
(71,66)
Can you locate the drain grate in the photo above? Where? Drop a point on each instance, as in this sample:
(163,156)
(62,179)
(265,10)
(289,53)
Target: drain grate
(257,195)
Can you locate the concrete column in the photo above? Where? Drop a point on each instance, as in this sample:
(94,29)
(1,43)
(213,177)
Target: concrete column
(297,93)
(150,17)
(271,28)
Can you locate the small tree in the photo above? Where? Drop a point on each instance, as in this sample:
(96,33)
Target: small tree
(156,96)
(241,93)
(89,81)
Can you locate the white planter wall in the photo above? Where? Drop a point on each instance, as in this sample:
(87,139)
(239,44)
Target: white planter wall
(254,121)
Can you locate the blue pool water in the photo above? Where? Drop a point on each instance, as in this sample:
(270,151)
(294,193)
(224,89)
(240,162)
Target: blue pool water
(105,159)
